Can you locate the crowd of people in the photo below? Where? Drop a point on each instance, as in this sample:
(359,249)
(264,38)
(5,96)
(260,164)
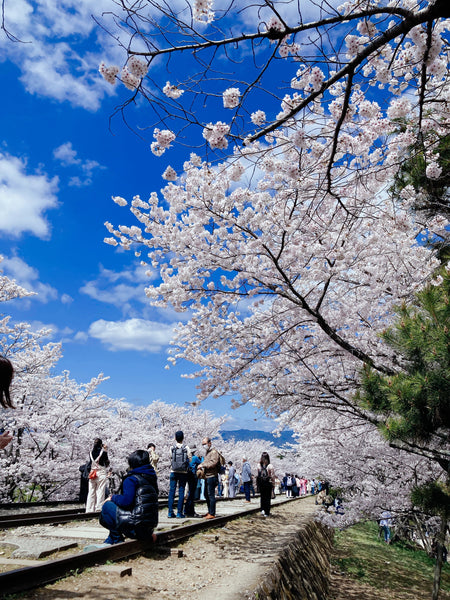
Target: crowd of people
(196,474)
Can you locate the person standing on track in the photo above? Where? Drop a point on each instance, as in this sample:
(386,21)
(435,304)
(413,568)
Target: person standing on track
(97,482)
(210,466)
(266,480)
(246,478)
(181,456)
(231,480)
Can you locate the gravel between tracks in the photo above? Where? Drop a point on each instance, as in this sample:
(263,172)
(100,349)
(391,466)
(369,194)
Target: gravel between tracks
(226,563)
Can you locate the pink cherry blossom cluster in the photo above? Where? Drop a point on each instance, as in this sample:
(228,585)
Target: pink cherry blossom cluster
(433,171)
(172,91)
(307,78)
(215,135)
(169,174)
(202,11)
(231,97)
(399,108)
(163,141)
(258,117)
(274,24)
(287,48)
(109,73)
(129,80)
(137,66)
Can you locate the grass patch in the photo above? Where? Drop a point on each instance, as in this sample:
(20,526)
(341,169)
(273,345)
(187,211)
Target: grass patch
(362,555)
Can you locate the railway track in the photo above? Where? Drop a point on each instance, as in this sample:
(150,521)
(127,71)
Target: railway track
(51,517)
(26,578)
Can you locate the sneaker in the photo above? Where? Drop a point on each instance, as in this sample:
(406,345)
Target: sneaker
(208,516)
(194,516)
(110,541)
(171,516)
(181,516)
(263,513)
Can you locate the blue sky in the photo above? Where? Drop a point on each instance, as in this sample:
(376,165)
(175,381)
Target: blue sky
(61,161)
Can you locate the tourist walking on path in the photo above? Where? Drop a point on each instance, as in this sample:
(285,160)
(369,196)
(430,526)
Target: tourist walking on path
(6,376)
(181,456)
(246,478)
(231,480)
(134,513)
(210,467)
(98,476)
(266,481)
(385,524)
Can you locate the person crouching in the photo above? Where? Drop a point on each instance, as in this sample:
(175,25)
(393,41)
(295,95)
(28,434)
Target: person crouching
(134,513)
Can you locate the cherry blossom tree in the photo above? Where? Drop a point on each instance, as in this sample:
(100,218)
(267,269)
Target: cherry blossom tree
(291,252)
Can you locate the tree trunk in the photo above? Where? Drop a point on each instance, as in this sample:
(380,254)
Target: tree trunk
(440,551)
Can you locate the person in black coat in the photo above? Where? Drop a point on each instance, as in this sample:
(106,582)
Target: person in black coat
(134,513)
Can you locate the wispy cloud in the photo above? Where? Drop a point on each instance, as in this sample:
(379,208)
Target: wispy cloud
(119,288)
(68,157)
(132,334)
(24,198)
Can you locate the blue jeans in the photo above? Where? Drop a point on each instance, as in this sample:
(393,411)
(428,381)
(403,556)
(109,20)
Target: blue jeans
(210,494)
(247,486)
(108,519)
(180,479)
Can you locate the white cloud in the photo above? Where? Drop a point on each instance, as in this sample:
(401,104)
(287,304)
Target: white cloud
(132,334)
(24,198)
(28,277)
(68,157)
(62,50)
(66,154)
(118,288)
(81,336)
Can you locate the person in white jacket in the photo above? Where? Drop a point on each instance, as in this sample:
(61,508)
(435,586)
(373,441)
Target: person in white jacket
(97,485)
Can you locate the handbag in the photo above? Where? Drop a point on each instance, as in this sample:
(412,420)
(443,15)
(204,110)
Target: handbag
(200,473)
(93,471)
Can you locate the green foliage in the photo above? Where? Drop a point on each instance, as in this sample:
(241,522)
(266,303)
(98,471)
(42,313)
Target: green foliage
(416,400)
(433,497)
(434,199)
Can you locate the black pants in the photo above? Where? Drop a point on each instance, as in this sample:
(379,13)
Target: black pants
(265,497)
(189,508)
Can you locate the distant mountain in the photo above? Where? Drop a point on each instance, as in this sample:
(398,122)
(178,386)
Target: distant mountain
(245,435)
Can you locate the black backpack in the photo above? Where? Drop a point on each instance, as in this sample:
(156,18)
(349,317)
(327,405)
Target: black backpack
(180,461)
(264,478)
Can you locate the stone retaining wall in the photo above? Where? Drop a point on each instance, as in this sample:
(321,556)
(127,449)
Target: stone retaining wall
(302,570)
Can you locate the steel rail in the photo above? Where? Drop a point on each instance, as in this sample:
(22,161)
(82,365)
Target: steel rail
(47,518)
(26,578)
(64,515)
